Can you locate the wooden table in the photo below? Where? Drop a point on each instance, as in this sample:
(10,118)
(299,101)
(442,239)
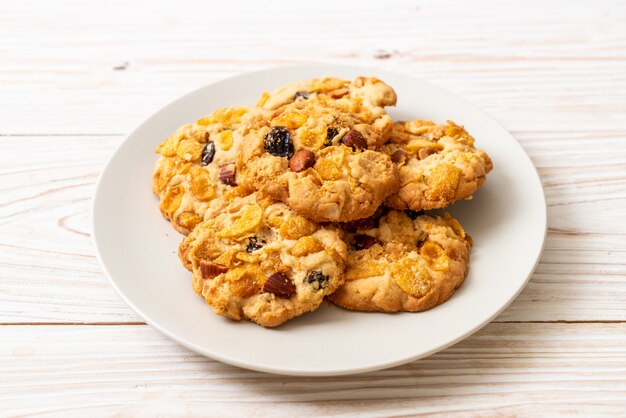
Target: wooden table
(76,77)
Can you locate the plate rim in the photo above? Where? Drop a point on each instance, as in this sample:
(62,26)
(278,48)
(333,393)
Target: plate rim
(303,371)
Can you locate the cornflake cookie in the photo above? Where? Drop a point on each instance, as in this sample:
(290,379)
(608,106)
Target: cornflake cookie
(196,173)
(366,96)
(266,264)
(397,263)
(438,164)
(320,158)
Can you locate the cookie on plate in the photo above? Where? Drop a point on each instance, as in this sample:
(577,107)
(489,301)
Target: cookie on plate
(266,264)
(438,164)
(196,174)
(366,96)
(320,159)
(400,264)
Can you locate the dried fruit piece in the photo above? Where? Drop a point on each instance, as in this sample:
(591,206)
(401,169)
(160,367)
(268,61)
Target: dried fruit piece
(363,242)
(305,246)
(302,160)
(354,140)
(330,134)
(296,227)
(280,285)
(434,256)
(278,142)
(208,153)
(318,279)
(248,222)
(301,95)
(227,174)
(209,270)
(398,156)
(253,244)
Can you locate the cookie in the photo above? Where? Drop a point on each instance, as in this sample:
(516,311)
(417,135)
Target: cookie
(195,175)
(320,159)
(400,264)
(366,96)
(265,264)
(438,164)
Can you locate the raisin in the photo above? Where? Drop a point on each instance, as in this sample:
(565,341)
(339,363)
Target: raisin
(413,214)
(363,242)
(278,142)
(208,152)
(317,278)
(253,244)
(304,95)
(330,134)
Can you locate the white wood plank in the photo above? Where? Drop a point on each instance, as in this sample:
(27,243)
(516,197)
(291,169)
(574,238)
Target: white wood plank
(48,271)
(504,370)
(102,67)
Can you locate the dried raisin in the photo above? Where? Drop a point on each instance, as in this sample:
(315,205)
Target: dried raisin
(278,142)
(317,279)
(208,152)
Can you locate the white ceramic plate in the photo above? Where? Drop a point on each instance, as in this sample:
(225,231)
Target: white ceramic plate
(137,247)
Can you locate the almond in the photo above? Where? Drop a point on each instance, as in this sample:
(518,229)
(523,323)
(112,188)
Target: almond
(354,140)
(280,285)
(209,270)
(398,156)
(227,174)
(302,160)
(425,152)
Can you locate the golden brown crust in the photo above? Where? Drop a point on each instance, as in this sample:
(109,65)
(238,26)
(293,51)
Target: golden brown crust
(412,265)
(234,255)
(190,189)
(438,164)
(344,183)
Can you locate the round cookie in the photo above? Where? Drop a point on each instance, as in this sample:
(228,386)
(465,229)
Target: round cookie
(265,264)
(314,155)
(438,164)
(399,264)
(195,175)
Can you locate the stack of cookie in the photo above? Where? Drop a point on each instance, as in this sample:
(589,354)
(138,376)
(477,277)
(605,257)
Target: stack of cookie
(313,193)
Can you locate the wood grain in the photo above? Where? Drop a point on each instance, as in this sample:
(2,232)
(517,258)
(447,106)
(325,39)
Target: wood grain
(504,370)
(77,76)
(96,67)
